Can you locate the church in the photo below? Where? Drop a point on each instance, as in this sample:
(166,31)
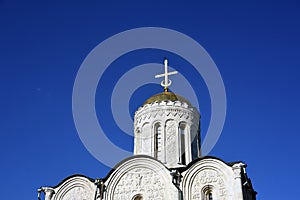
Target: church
(167,162)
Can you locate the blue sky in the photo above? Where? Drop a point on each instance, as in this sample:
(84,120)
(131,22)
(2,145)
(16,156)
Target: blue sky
(255,45)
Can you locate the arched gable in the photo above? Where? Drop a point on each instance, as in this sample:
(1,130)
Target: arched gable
(140,176)
(208,176)
(76,187)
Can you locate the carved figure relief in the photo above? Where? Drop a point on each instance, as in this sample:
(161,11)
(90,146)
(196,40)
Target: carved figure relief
(141,181)
(206,178)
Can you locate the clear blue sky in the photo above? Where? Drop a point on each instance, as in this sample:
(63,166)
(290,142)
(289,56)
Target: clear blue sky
(255,45)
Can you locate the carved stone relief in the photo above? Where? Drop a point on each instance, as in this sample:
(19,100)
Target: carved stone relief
(146,139)
(78,193)
(142,181)
(170,114)
(181,113)
(208,177)
(171,142)
(76,188)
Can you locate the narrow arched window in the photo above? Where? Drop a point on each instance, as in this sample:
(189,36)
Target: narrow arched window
(209,196)
(182,135)
(137,197)
(207,193)
(157,141)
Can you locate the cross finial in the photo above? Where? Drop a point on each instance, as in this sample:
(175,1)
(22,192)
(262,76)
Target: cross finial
(167,82)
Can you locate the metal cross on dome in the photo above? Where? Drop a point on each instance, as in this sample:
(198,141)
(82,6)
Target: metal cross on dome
(167,82)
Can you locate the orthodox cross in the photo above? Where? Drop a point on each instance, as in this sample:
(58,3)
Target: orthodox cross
(167,82)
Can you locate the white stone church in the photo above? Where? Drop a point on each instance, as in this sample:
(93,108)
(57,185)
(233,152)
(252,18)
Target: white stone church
(167,162)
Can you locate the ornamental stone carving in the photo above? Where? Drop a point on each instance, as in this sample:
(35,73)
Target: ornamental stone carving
(172,142)
(76,188)
(170,114)
(213,176)
(210,178)
(77,193)
(142,181)
(140,177)
(154,111)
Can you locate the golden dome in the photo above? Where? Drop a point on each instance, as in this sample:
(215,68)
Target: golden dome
(166,96)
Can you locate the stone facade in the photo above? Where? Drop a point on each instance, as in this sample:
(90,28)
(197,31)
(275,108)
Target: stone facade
(143,177)
(76,187)
(167,164)
(167,131)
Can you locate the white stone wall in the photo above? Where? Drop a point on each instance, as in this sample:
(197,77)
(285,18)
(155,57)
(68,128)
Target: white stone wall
(140,176)
(168,133)
(73,188)
(170,115)
(149,179)
(214,176)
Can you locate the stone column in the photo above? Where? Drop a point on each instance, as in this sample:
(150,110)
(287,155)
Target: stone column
(238,191)
(48,192)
